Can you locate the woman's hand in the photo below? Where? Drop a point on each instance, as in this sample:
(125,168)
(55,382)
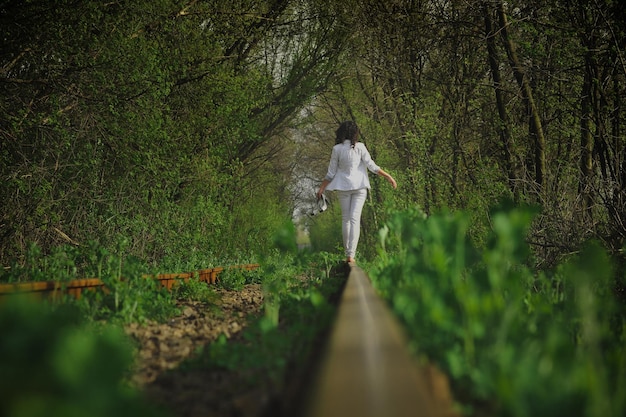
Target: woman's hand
(388,177)
(325,183)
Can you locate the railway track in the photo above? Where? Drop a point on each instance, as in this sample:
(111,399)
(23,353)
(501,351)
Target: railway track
(366,369)
(75,288)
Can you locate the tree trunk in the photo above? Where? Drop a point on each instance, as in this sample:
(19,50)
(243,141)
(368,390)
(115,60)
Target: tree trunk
(535,127)
(586,138)
(505,133)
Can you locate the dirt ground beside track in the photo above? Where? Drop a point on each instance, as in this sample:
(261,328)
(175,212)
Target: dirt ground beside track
(162,347)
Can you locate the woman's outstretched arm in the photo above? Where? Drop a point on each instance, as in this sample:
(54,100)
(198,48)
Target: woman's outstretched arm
(388,177)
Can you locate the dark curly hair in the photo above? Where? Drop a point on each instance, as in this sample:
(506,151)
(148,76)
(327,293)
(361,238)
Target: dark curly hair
(347,130)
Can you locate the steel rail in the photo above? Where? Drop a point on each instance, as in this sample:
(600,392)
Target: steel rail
(367,369)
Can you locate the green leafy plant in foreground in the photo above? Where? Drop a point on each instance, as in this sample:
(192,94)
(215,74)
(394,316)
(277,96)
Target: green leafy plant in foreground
(52,365)
(516,341)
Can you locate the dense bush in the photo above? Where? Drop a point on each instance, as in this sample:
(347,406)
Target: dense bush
(52,365)
(517,341)
(129,295)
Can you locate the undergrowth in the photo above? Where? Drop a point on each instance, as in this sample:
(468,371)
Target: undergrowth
(69,357)
(129,296)
(54,364)
(515,341)
(298,308)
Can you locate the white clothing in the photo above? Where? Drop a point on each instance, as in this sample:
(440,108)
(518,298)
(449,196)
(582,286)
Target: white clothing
(348,167)
(352,203)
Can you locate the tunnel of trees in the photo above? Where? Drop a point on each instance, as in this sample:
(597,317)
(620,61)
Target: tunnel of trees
(195,128)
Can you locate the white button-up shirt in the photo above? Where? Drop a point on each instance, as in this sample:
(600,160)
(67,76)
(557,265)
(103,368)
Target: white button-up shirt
(348,167)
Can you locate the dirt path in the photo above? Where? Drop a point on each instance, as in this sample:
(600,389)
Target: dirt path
(163,346)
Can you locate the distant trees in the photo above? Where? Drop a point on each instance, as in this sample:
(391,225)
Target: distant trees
(172,122)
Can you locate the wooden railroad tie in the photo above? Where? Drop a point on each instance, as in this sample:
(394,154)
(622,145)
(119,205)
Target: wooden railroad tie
(56,289)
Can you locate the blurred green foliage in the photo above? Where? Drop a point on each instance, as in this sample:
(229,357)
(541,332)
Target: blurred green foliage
(515,341)
(53,365)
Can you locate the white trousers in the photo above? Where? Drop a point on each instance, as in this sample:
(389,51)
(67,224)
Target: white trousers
(352,203)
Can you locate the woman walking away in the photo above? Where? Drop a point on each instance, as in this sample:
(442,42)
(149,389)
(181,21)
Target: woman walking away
(347,174)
